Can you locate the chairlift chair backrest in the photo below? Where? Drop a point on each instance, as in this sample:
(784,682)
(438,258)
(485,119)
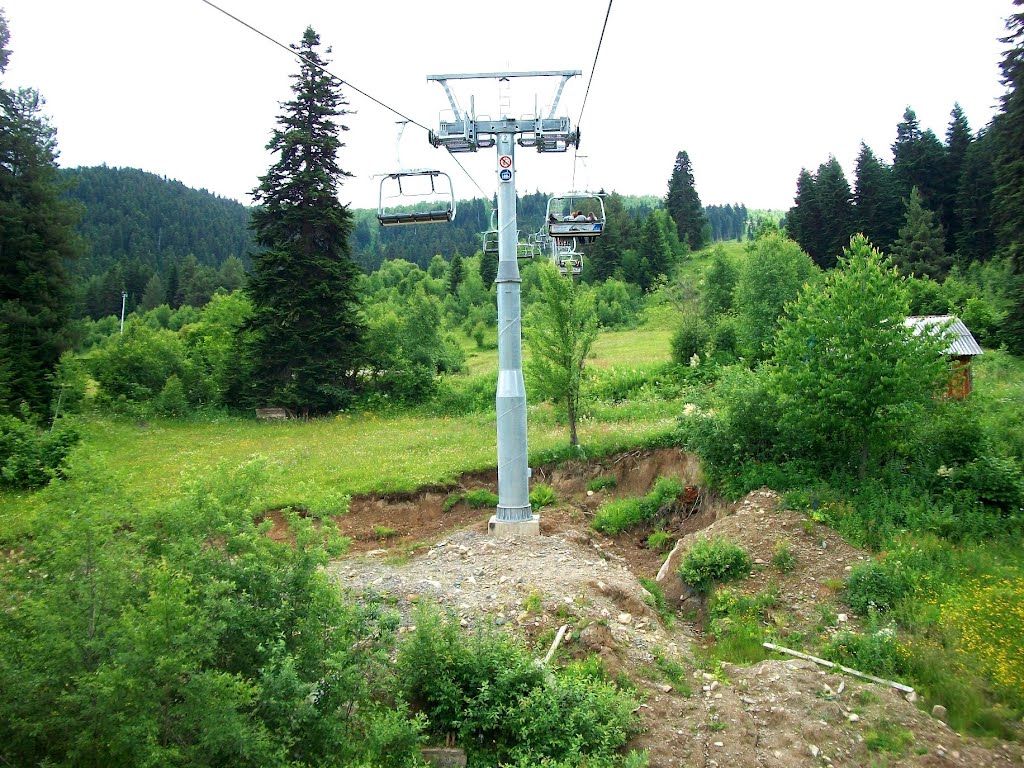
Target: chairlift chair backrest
(427,197)
(576,214)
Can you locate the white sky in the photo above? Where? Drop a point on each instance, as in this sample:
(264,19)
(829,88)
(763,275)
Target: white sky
(753,91)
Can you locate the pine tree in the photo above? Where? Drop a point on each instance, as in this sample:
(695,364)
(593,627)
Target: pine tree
(36,241)
(918,160)
(920,249)
(804,220)
(304,337)
(975,238)
(683,204)
(835,202)
(958,141)
(877,206)
(455,273)
(1008,198)
(1008,128)
(489,267)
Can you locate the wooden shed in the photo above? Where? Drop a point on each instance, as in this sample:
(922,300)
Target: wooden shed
(961,349)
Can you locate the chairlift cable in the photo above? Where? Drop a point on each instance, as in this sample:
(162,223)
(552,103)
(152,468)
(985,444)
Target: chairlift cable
(341,81)
(593,67)
(299,56)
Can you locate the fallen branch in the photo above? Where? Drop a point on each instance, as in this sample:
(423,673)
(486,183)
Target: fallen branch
(833,665)
(554,645)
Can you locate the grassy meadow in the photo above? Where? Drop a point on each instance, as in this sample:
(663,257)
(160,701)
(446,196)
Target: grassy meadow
(320,462)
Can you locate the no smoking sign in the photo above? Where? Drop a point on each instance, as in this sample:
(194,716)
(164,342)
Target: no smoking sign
(505,161)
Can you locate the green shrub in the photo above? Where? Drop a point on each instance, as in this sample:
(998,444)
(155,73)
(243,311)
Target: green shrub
(616,516)
(782,557)
(29,456)
(879,585)
(737,623)
(185,643)
(996,482)
(601,483)
(502,707)
(480,498)
(714,560)
(542,496)
(656,599)
(171,401)
(660,541)
(890,737)
(450,501)
(691,338)
(877,651)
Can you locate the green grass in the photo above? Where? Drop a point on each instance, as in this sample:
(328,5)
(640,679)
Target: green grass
(998,394)
(320,462)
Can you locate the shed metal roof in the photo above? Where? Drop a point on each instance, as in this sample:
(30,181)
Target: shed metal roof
(961,342)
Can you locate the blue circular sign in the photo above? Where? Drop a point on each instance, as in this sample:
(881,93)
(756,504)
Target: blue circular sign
(505,174)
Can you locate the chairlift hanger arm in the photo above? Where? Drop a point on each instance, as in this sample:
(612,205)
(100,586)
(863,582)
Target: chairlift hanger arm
(566,73)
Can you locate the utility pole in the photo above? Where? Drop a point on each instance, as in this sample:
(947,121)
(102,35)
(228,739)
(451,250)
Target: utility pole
(464,133)
(124,299)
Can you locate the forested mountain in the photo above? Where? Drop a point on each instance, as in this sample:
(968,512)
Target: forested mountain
(373,244)
(164,243)
(131,214)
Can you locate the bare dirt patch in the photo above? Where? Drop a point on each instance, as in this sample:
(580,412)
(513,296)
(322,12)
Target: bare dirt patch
(776,713)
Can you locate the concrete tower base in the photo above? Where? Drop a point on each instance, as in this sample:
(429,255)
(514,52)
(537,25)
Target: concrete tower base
(504,529)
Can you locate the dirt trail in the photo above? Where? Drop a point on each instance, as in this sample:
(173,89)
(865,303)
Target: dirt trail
(776,714)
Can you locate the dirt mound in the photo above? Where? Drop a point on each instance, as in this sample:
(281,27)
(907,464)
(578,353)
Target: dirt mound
(770,714)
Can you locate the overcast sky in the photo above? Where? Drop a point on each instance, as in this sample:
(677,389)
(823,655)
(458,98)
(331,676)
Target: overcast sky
(753,91)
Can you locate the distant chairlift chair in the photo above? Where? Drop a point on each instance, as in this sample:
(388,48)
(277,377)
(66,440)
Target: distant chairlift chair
(409,190)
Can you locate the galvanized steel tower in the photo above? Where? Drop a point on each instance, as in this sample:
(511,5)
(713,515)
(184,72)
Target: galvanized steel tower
(465,133)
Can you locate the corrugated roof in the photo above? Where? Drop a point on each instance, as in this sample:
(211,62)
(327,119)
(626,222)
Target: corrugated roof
(961,342)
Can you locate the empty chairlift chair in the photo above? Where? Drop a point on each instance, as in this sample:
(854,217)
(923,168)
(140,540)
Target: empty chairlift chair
(575,216)
(416,197)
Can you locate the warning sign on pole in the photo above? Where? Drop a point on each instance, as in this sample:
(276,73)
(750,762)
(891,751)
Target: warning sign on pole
(505,161)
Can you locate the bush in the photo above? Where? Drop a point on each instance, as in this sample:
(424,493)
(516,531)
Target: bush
(542,496)
(996,482)
(878,585)
(503,707)
(222,646)
(616,516)
(782,557)
(691,338)
(714,560)
(29,456)
(602,482)
(877,651)
(660,541)
(480,498)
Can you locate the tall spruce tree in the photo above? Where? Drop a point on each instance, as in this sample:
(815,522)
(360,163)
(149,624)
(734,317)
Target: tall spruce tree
(975,237)
(305,336)
(1008,197)
(877,206)
(835,201)
(36,242)
(683,204)
(804,220)
(958,141)
(918,160)
(920,248)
